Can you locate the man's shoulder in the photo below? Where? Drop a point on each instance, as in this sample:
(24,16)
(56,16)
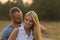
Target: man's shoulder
(6,31)
(7,28)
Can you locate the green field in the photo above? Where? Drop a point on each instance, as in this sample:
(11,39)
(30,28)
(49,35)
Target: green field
(53,29)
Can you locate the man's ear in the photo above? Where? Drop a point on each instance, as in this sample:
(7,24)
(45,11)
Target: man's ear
(12,17)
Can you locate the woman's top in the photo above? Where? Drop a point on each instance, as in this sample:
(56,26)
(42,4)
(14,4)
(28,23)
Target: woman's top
(22,34)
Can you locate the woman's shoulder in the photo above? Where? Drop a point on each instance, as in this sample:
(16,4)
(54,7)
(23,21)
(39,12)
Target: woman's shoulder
(13,34)
(16,29)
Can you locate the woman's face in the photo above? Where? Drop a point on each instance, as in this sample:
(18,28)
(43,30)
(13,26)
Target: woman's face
(28,22)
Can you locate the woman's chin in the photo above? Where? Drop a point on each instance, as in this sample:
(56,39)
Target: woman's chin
(27,27)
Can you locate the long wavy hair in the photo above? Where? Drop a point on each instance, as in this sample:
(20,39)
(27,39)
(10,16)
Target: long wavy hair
(36,27)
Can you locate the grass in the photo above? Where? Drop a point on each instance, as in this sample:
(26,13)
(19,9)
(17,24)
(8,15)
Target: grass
(53,29)
(2,26)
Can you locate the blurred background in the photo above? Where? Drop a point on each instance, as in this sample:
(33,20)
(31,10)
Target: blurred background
(48,12)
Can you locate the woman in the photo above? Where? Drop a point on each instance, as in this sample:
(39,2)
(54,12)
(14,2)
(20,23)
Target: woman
(30,29)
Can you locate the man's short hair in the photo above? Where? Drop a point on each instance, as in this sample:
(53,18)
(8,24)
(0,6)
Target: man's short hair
(13,10)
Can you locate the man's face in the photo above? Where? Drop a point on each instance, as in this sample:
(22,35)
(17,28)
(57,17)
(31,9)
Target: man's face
(17,17)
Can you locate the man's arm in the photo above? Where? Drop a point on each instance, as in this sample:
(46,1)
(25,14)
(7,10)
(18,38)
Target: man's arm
(5,34)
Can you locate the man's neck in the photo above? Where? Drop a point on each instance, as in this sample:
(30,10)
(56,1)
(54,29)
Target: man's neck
(15,25)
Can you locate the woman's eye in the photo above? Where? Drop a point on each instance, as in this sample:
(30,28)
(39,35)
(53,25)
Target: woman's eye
(29,20)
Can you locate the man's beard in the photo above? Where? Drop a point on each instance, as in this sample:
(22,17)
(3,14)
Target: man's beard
(17,22)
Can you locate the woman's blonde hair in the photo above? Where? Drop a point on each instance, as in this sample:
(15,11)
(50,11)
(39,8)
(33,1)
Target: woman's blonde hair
(36,29)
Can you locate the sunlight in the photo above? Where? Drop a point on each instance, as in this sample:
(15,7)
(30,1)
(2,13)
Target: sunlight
(27,2)
(11,0)
(24,1)
(3,1)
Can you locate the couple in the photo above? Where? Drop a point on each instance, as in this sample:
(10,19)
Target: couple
(28,30)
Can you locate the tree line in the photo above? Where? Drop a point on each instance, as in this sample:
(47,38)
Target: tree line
(46,9)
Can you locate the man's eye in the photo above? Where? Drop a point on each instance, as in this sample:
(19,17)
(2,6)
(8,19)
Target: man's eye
(26,19)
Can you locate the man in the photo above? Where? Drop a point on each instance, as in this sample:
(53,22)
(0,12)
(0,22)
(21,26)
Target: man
(16,19)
